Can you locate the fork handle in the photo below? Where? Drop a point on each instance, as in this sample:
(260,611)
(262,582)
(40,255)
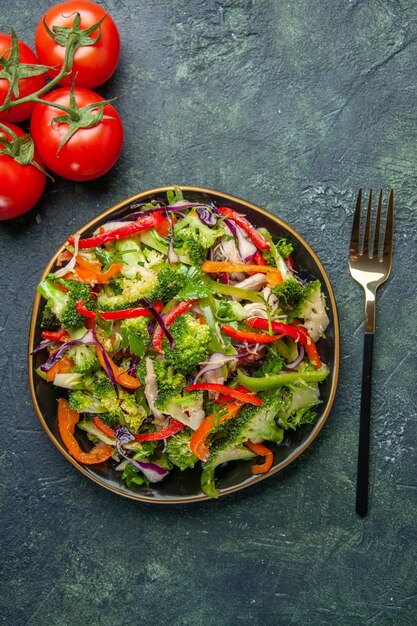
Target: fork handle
(364,427)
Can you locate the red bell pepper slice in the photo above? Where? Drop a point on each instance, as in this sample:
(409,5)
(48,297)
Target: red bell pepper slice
(298,333)
(106,430)
(243,396)
(143,223)
(81,309)
(245,335)
(258,258)
(246,226)
(173,427)
(125,314)
(55,335)
(261,450)
(169,318)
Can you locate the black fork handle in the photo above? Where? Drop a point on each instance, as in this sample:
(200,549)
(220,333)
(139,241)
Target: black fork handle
(362,480)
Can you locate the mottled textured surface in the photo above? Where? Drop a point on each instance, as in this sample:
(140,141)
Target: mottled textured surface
(293,106)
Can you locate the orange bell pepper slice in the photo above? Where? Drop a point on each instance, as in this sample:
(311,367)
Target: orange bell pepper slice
(197,441)
(67,421)
(123,378)
(261,450)
(63,366)
(215,267)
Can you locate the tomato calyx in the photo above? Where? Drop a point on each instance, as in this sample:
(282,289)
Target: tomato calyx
(20,149)
(78,117)
(12,70)
(74,36)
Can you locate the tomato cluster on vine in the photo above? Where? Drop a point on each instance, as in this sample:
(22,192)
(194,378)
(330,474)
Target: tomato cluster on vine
(74,132)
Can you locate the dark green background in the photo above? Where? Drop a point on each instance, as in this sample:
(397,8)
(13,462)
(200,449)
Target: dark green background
(293,106)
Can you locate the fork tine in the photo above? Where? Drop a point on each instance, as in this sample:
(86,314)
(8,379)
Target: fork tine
(377,226)
(367,233)
(356,226)
(389,226)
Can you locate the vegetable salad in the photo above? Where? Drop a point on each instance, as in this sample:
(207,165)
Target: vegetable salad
(181,335)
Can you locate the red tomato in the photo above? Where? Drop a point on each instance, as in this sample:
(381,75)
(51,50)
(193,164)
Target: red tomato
(90,152)
(93,64)
(26,85)
(21,185)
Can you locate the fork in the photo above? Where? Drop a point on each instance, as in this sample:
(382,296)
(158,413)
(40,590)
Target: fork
(370,260)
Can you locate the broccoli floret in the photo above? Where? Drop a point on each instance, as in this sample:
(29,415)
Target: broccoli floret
(132,289)
(290,294)
(221,452)
(230,311)
(85,402)
(284,248)
(85,359)
(189,249)
(192,238)
(133,476)
(74,380)
(49,319)
(312,310)
(115,286)
(192,341)
(134,414)
(142,450)
(153,256)
(178,449)
(121,404)
(273,362)
(135,335)
(63,304)
(252,423)
(109,419)
(297,405)
(258,422)
(171,279)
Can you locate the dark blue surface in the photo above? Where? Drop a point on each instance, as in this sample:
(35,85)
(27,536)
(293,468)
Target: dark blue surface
(292,106)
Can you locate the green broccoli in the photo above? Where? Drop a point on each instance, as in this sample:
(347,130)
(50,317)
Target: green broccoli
(192,341)
(122,404)
(74,380)
(133,477)
(252,423)
(85,359)
(298,401)
(221,452)
(49,319)
(313,311)
(230,311)
(273,362)
(85,402)
(178,449)
(135,335)
(132,289)
(193,238)
(63,304)
(290,295)
(171,279)
(284,248)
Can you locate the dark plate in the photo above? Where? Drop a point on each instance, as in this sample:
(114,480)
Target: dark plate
(185,486)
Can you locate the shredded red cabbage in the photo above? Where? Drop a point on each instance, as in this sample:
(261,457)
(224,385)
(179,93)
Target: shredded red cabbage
(206,217)
(159,319)
(154,473)
(88,340)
